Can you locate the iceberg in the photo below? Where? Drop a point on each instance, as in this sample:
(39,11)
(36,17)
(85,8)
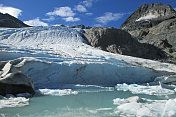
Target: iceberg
(52,56)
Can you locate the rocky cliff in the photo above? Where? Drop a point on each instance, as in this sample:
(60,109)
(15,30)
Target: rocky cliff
(9,21)
(121,42)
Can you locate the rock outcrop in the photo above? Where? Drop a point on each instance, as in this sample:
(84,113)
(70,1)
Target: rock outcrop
(14,82)
(80,26)
(154,24)
(121,42)
(9,21)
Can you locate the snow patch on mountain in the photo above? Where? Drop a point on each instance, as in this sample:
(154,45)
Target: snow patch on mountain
(147,17)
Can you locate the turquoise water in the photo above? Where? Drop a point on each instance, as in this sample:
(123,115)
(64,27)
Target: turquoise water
(88,102)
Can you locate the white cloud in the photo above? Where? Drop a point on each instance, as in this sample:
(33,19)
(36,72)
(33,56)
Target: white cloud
(81,8)
(108,17)
(10,10)
(175,9)
(88,3)
(51,18)
(35,22)
(89,14)
(71,19)
(62,11)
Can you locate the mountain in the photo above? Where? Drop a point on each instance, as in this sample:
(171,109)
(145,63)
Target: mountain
(154,24)
(147,16)
(9,21)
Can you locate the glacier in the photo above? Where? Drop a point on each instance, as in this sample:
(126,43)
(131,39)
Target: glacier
(74,79)
(55,55)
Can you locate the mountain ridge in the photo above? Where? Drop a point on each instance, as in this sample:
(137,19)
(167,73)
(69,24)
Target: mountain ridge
(9,21)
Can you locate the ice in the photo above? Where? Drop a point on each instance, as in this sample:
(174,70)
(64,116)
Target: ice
(98,88)
(162,108)
(147,17)
(13,102)
(53,56)
(32,37)
(169,108)
(75,72)
(144,89)
(137,106)
(119,101)
(99,110)
(56,92)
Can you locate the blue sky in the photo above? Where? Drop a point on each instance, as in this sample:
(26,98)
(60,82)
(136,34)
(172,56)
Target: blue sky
(107,13)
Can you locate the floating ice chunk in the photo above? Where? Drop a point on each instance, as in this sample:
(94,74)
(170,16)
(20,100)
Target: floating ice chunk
(57,92)
(135,99)
(142,109)
(147,17)
(13,102)
(142,89)
(162,108)
(119,101)
(98,88)
(99,109)
(170,108)
(104,109)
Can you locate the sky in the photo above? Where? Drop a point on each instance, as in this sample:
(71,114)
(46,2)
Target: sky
(105,13)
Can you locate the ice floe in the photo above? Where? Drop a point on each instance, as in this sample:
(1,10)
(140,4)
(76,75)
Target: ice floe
(13,102)
(157,108)
(144,89)
(56,92)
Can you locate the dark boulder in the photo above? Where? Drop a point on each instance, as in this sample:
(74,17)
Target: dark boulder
(15,89)
(14,82)
(9,21)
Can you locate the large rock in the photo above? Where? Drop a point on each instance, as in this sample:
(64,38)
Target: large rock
(159,31)
(120,42)
(9,21)
(14,82)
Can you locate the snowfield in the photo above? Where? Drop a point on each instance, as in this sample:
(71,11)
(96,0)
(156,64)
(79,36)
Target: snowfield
(59,55)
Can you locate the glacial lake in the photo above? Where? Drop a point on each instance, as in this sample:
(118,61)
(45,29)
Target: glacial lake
(93,101)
